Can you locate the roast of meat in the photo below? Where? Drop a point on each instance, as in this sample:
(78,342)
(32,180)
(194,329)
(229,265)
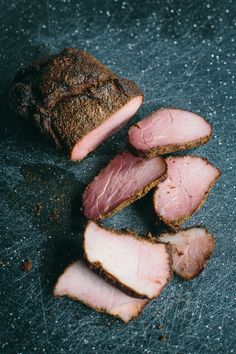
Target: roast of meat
(78,103)
(75,100)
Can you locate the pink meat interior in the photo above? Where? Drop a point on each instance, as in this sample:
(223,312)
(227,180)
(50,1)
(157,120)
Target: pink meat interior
(168,127)
(141,265)
(189,179)
(122,178)
(82,284)
(190,250)
(106,129)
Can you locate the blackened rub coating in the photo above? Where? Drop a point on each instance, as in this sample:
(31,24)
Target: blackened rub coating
(70,94)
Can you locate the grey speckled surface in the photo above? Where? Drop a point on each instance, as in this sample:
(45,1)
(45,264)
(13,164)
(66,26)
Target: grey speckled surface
(181,53)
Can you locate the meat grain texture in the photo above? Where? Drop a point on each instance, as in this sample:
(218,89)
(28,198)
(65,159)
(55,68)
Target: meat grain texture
(137,265)
(168,130)
(190,249)
(125,179)
(75,100)
(190,179)
(80,283)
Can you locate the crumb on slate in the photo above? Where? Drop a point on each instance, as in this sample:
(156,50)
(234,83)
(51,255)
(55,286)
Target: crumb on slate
(162,338)
(38,208)
(54,215)
(159,326)
(26,265)
(1,263)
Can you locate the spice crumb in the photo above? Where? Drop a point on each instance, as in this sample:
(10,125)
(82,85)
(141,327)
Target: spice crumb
(162,338)
(38,208)
(26,265)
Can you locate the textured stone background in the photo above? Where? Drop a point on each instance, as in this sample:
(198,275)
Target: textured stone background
(181,53)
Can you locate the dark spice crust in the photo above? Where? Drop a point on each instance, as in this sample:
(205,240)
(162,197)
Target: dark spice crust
(98,309)
(167,149)
(176,223)
(102,310)
(98,268)
(134,197)
(69,94)
(201,265)
(89,110)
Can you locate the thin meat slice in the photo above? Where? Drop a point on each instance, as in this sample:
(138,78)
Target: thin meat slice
(139,266)
(191,249)
(80,283)
(168,130)
(190,179)
(74,100)
(125,179)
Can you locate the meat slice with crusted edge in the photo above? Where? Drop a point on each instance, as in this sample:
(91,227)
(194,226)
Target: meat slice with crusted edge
(190,248)
(139,266)
(80,283)
(190,179)
(168,130)
(125,179)
(75,100)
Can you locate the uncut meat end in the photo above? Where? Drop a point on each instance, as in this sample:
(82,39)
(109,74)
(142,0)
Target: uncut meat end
(97,115)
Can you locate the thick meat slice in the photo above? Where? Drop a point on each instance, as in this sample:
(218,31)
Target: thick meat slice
(189,181)
(80,283)
(168,130)
(139,266)
(191,249)
(125,179)
(75,100)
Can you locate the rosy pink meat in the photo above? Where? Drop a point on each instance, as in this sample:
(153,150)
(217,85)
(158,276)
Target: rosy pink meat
(125,179)
(190,248)
(97,136)
(189,180)
(168,130)
(80,283)
(136,264)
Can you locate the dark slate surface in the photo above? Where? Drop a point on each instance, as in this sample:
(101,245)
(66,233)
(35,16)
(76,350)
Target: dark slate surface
(181,53)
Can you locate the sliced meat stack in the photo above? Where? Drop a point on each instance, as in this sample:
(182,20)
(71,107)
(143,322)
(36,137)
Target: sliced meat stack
(125,179)
(190,249)
(75,100)
(169,130)
(189,181)
(80,283)
(137,265)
